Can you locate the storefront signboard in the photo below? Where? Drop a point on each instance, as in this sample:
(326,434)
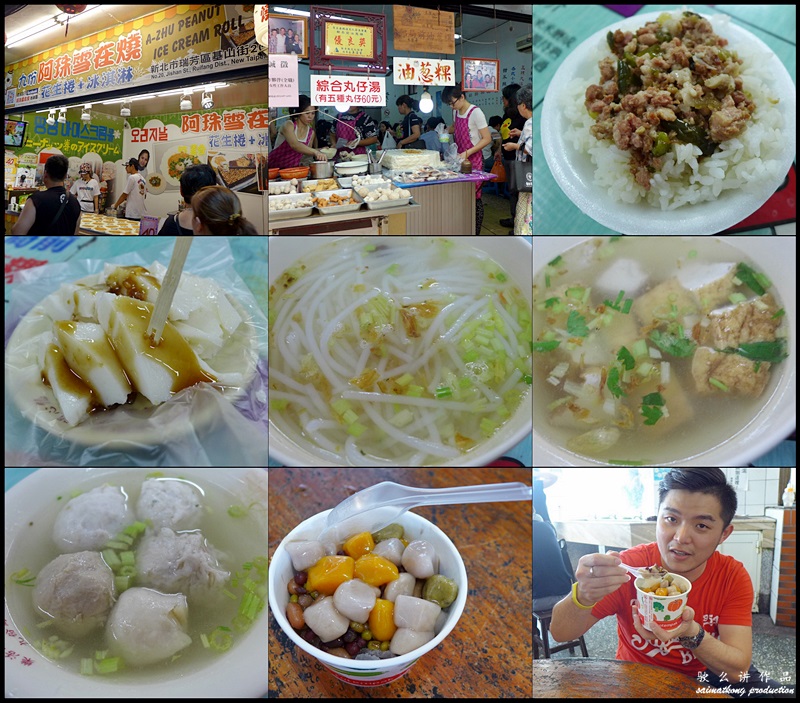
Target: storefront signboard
(181,41)
(418,29)
(416,71)
(284,88)
(367,91)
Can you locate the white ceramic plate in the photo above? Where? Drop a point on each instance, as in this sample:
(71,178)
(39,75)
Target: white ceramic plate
(36,401)
(776,419)
(573,171)
(174,178)
(159,180)
(239,673)
(512,253)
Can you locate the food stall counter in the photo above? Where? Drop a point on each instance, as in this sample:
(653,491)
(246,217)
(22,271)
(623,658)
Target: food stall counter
(375,221)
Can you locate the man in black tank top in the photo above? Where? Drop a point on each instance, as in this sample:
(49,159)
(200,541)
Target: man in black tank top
(53,211)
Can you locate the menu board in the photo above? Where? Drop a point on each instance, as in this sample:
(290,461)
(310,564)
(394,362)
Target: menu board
(432,29)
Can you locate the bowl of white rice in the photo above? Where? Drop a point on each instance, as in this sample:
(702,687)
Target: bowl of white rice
(688,195)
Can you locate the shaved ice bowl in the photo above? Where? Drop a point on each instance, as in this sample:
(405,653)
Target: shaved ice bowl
(665,611)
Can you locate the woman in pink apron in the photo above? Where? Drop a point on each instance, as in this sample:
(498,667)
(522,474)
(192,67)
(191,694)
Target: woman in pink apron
(465,114)
(296,138)
(359,130)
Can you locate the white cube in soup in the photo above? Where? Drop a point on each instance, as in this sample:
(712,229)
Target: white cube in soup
(355,599)
(391,549)
(305,553)
(420,559)
(403,585)
(415,613)
(90,520)
(325,621)
(406,640)
(77,591)
(170,502)
(146,627)
(181,562)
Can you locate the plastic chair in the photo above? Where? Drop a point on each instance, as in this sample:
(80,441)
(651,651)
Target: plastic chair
(543,614)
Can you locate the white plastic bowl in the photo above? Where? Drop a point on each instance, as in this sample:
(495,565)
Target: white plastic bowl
(512,253)
(238,673)
(368,673)
(573,171)
(774,422)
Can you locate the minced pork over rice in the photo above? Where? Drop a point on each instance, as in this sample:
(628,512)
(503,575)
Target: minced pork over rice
(738,163)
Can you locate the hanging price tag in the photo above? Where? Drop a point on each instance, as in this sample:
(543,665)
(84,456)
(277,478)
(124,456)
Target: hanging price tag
(148,225)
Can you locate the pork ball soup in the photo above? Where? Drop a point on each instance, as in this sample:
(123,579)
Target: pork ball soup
(131,576)
(651,349)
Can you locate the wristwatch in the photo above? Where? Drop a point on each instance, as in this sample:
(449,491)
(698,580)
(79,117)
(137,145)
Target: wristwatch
(693,642)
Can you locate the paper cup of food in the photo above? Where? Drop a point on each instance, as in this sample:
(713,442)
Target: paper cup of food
(655,606)
(415,643)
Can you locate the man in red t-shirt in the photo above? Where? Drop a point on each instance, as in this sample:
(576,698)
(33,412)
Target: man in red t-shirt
(696,507)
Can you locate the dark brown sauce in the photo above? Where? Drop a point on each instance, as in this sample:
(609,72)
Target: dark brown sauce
(173,352)
(132,281)
(63,375)
(98,352)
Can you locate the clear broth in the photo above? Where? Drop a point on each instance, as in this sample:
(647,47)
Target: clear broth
(238,539)
(723,416)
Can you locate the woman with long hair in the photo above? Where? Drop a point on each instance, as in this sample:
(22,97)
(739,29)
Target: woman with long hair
(217,210)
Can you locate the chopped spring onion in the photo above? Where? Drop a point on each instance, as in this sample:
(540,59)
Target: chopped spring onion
(127,570)
(116,545)
(414,391)
(127,558)
(674,344)
(546,346)
(718,384)
(639,348)
(23,577)
(237,511)
(752,279)
(737,298)
(87,667)
(110,557)
(122,583)
(108,666)
(356,429)
(135,529)
(220,639)
(773,352)
(487,427)
(443,392)
(404,380)
(403,418)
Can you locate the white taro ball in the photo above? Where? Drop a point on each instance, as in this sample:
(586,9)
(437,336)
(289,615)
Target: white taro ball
(326,622)
(305,554)
(391,549)
(355,599)
(420,559)
(406,640)
(403,585)
(415,613)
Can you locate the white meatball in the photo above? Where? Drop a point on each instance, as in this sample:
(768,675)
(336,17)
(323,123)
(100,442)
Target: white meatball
(146,626)
(170,503)
(180,562)
(77,591)
(91,519)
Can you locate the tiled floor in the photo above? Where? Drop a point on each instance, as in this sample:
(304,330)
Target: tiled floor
(495,208)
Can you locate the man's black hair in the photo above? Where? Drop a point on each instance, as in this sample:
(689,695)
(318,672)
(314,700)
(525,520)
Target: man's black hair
(708,481)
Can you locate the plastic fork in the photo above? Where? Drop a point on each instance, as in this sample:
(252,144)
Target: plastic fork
(380,505)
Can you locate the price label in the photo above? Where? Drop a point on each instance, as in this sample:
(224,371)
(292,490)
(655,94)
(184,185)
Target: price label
(148,225)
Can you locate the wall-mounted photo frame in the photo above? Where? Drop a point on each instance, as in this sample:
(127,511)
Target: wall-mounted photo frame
(480,75)
(347,40)
(288,35)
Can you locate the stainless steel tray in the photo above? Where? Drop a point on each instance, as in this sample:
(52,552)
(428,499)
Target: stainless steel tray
(275,215)
(337,209)
(382,204)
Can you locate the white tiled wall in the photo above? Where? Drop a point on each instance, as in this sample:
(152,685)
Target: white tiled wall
(756,488)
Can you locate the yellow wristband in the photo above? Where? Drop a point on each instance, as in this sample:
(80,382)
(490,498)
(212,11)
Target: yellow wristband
(576,601)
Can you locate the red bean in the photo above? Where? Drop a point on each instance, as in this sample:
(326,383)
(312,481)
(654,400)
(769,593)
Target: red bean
(305,600)
(294,589)
(353,648)
(300,578)
(294,614)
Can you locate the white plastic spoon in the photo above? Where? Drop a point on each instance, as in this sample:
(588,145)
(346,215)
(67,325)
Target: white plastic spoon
(377,506)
